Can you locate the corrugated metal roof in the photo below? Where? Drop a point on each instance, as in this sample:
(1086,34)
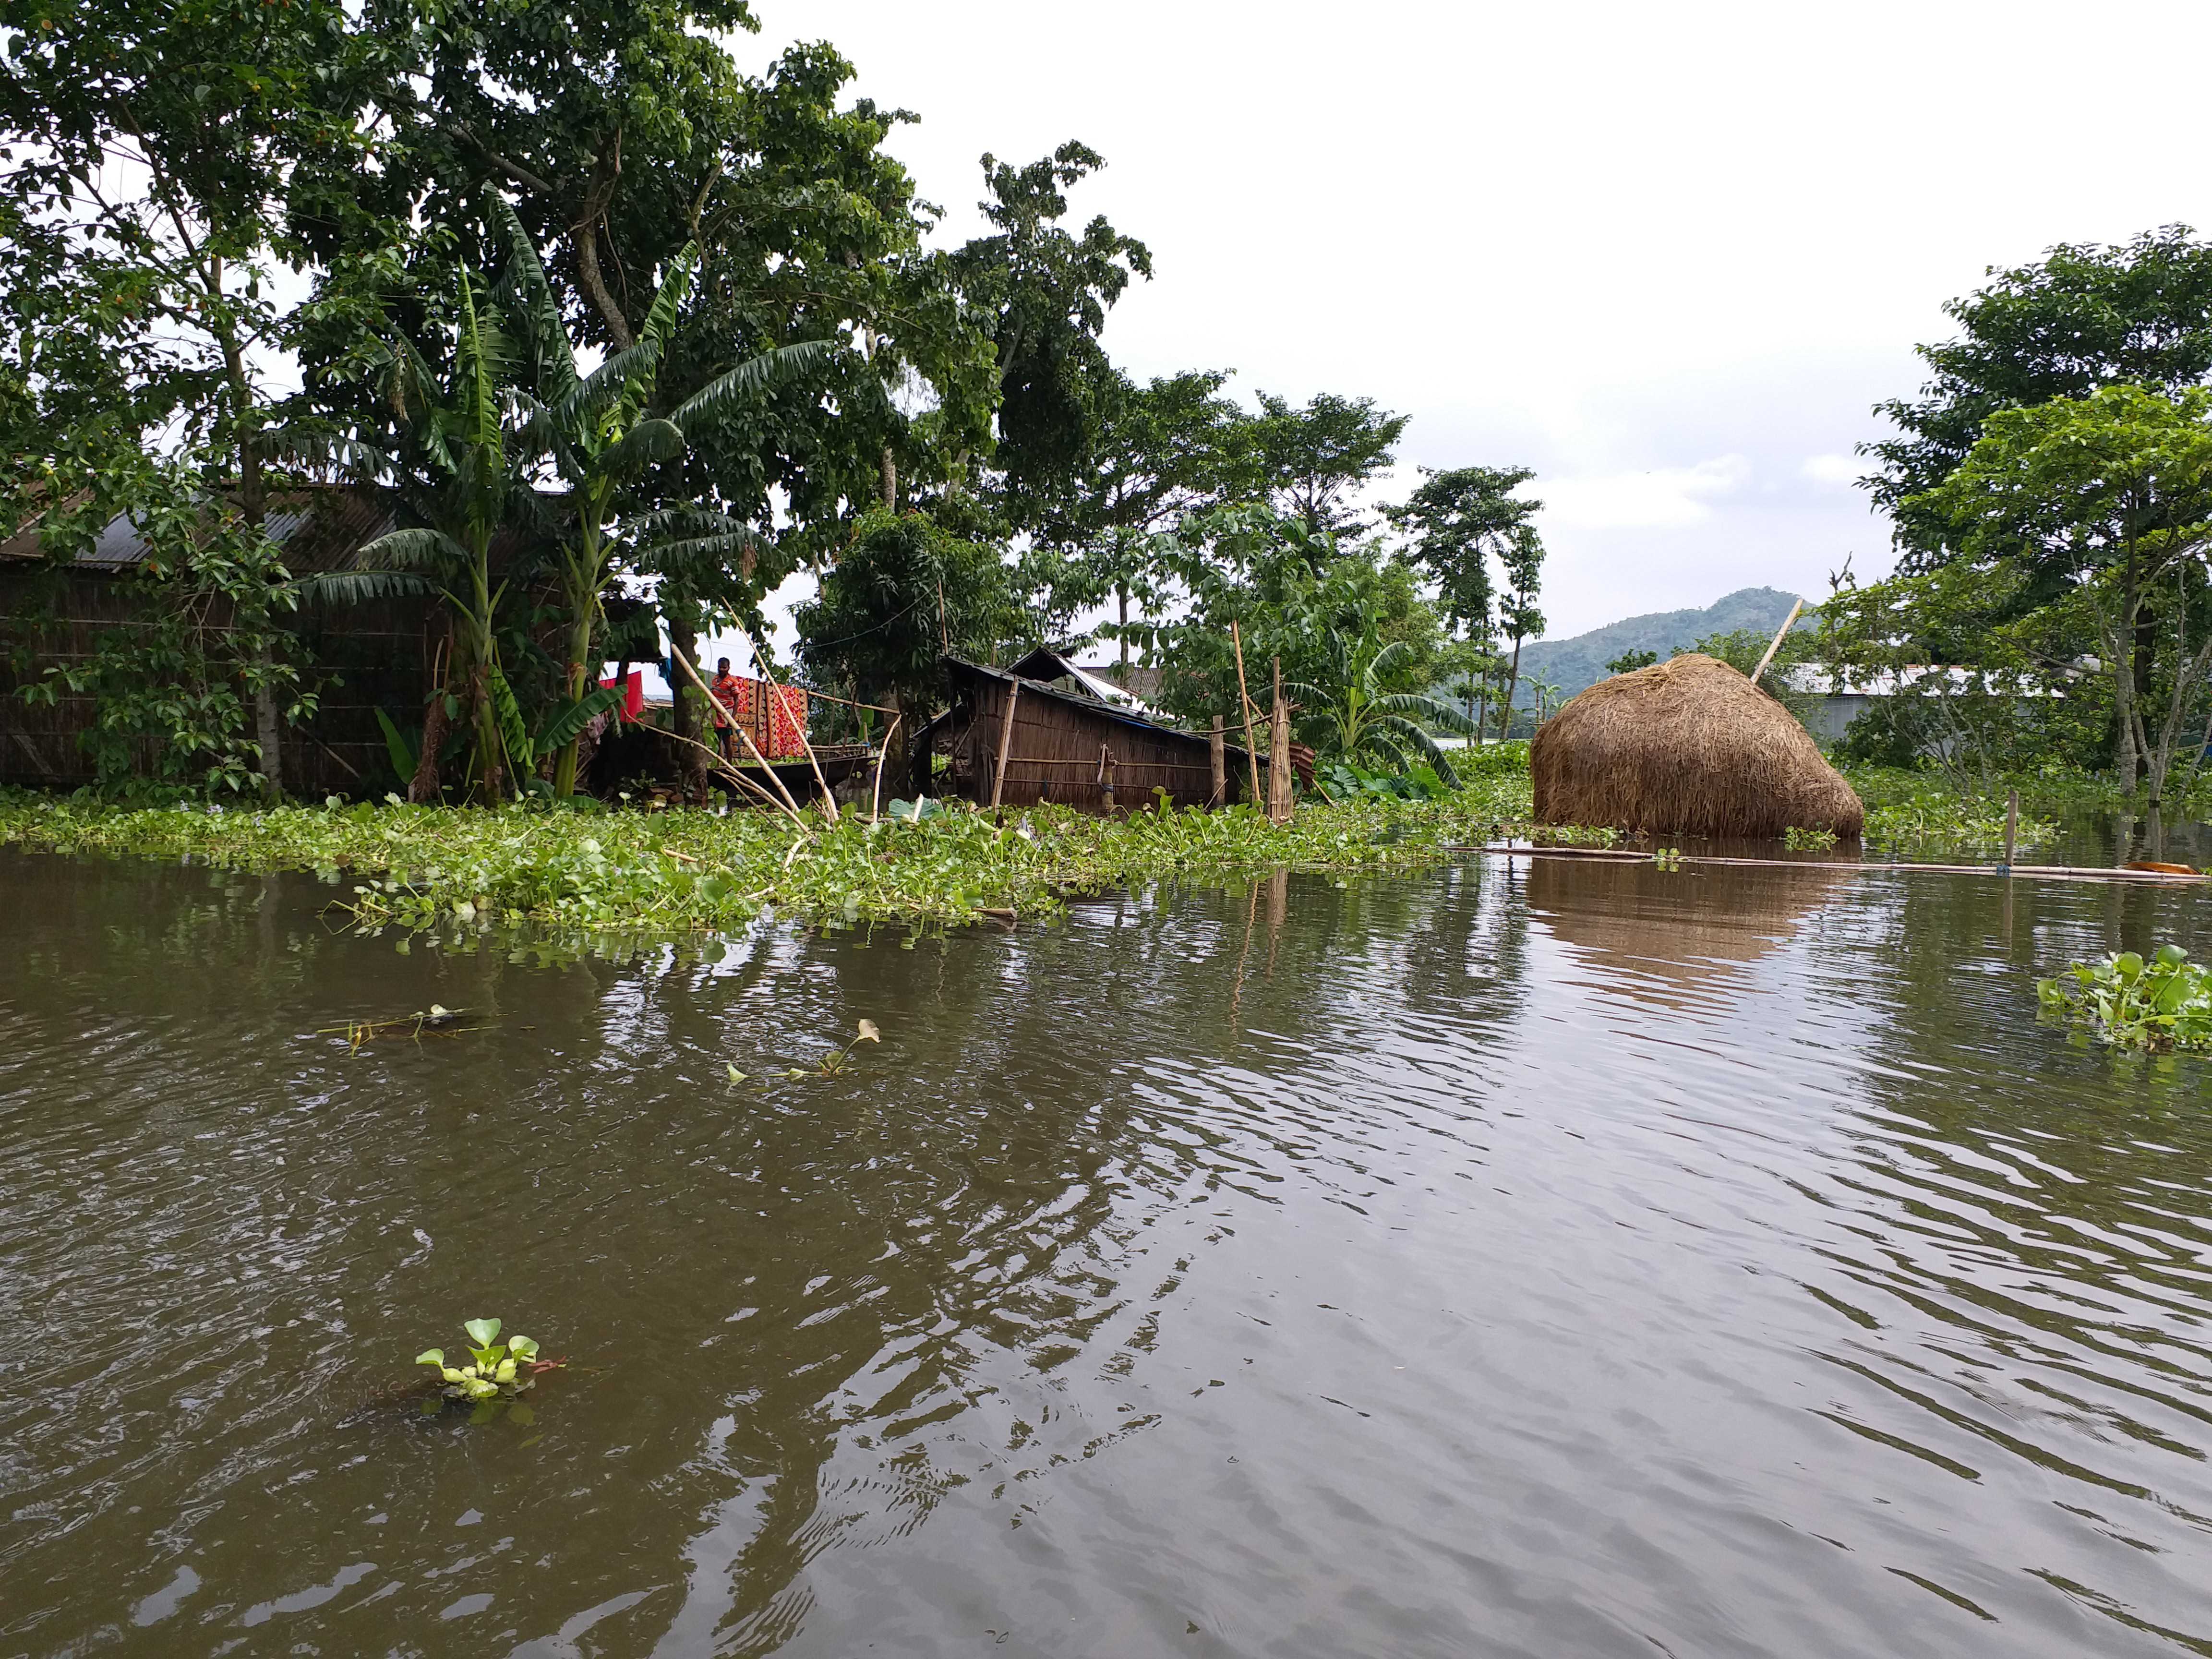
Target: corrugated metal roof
(321,528)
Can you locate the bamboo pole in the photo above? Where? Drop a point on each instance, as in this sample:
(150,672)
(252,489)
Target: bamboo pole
(1251,747)
(760,661)
(875,796)
(1005,741)
(761,760)
(721,766)
(1278,756)
(2012,824)
(1780,633)
(1218,753)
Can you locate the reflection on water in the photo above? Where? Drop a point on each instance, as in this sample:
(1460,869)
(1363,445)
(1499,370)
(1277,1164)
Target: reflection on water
(1571,1259)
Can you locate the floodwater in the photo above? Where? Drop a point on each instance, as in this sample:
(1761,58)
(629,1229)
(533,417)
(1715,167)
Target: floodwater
(1548,1260)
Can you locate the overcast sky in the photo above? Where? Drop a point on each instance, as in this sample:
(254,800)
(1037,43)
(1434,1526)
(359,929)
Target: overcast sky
(1667,256)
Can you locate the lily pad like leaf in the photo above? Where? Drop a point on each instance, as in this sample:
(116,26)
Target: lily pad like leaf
(522,1347)
(482,1330)
(431,1357)
(868,1033)
(736,1076)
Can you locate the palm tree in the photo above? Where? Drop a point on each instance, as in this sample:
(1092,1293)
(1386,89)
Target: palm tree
(457,468)
(1363,715)
(600,436)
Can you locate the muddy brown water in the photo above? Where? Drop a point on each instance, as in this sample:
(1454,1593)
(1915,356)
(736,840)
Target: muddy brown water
(1553,1259)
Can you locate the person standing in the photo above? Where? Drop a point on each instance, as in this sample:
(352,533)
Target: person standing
(724,690)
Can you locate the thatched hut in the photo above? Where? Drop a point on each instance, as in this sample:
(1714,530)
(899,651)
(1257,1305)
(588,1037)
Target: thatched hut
(1686,748)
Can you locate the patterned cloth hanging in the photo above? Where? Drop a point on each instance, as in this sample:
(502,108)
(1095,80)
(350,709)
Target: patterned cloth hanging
(776,722)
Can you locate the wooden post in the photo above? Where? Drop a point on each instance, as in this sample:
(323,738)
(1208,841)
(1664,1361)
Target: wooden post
(1780,633)
(2012,826)
(1278,756)
(1217,751)
(1005,740)
(1106,775)
(1251,747)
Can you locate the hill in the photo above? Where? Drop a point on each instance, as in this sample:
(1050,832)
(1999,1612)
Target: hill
(1577,664)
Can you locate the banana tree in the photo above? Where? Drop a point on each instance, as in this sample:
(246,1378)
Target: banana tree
(602,435)
(1361,714)
(457,469)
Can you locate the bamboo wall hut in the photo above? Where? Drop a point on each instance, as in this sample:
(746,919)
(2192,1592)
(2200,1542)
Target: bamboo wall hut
(1689,747)
(1068,746)
(366,656)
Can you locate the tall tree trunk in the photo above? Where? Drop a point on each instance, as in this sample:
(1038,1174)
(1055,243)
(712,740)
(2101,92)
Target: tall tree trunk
(252,506)
(1512,686)
(425,788)
(685,713)
(887,481)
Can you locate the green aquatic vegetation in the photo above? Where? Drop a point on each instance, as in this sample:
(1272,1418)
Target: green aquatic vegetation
(495,1370)
(463,871)
(1932,821)
(1666,858)
(833,1061)
(1807,840)
(2160,1005)
(436,1018)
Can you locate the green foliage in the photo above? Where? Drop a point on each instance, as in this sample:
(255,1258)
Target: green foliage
(1306,463)
(1807,840)
(1455,523)
(466,870)
(2084,316)
(833,1061)
(902,591)
(1044,294)
(2159,1005)
(495,1370)
(1345,781)
(1910,815)
(1629,661)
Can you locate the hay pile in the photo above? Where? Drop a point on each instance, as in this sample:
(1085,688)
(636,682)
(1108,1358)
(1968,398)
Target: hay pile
(1686,748)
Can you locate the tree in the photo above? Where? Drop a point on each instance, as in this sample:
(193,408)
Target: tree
(2110,495)
(1629,661)
(904,592)
(1456,522)
(1360,714)
(142,305)
(1523,558)
(1306,463)
(598,428)
(1162,452)
(1043,295)
(2085,316)
(1327,614)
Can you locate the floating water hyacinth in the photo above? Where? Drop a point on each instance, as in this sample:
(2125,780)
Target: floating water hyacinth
(495,1368)
(2162,1005)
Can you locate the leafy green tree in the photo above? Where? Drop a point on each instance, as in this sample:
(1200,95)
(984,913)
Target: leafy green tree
(1163,451)
(1522,554)
(903,592)
(1044,294)
(1629,661)
(598,430)
(1325,614)
(2110,495)
(1308,463)
(1456,523)
(2082,317)
(144,308)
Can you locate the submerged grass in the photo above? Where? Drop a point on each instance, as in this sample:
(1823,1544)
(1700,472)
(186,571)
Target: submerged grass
(420,867)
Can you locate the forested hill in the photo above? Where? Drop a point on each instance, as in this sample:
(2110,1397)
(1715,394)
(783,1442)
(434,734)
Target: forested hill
(1576,663)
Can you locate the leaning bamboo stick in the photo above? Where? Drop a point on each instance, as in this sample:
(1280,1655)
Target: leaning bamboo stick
(2050,871)
(790,802)
(1005,739)
(876,797)
(1251,745)
(722,767)
(1780,633)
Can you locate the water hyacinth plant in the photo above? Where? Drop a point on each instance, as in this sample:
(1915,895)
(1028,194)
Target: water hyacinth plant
(495,1368)
(2159,1005)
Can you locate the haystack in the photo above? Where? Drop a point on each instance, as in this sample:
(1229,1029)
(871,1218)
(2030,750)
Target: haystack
(1686,748)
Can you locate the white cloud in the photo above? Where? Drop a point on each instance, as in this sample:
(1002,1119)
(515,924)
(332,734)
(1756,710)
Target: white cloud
(1831,469)
(1662,498)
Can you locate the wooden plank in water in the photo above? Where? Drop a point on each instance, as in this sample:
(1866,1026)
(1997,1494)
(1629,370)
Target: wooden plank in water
(2038,872)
